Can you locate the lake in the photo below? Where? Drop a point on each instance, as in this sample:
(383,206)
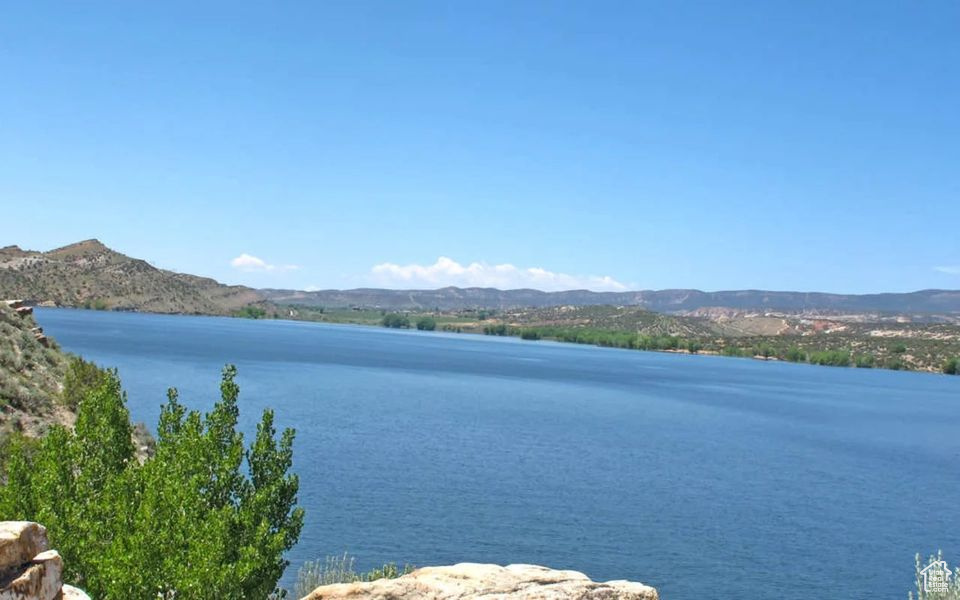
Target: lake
(706,477)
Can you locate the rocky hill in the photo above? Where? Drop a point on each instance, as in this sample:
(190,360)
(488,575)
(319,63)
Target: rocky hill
(453,298)
(31,375)
(88,274)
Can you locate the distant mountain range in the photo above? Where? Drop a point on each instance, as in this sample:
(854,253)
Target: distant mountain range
(668,301)
(90,274)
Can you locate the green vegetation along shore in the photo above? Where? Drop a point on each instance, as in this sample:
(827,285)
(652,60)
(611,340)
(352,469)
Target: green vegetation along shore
(931,348)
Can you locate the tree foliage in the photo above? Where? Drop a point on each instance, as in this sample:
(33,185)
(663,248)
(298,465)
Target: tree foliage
(81,377)
(190,521)
(952,366)
(426,324)
(395,321)
(251,312)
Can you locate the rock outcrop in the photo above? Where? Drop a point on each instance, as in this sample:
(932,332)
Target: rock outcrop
(29,570)
(489,582)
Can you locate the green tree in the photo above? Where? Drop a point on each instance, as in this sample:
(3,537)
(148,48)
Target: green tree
(251,312)
(81,377)
(952,366)
(426,324)
(765,350)
(395,321)
(500,329)
(190,521)
(794,354)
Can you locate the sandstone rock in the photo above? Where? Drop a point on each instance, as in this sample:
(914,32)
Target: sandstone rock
(39,580)
(20,541)
(489,582)
(71,593)
(28,570)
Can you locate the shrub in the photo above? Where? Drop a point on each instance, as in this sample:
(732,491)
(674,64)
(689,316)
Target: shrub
(952,366)
(530,334)
(340,569)
(764,350)
(953,585)
(832,358)
(500,329)
(189,522)
(395,321)
(894,363)
(864,361)
(81,377)
(426,324)
(251,312)
(794,354)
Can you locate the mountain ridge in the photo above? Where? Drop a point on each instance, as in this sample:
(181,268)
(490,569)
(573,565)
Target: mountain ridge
(90,274)
(669,300)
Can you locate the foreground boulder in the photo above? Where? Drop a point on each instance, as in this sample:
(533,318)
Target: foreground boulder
(471,580)
(29,570)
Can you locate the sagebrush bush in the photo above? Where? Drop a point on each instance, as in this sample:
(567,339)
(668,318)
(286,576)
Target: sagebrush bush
(953,588)
(340,569)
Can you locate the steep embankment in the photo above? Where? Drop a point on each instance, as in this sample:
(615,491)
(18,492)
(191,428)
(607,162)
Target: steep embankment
(32,369)
(88,274)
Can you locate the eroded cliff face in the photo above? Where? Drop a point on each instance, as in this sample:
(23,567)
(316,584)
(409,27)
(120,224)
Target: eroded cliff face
(475,581)
(29,569)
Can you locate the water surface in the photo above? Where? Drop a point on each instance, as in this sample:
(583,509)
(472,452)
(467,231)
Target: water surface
(706,477)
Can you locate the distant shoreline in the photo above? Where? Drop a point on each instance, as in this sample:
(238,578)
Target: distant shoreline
(414,330)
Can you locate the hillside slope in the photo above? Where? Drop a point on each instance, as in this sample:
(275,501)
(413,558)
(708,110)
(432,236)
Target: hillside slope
(31,376)
(88,274)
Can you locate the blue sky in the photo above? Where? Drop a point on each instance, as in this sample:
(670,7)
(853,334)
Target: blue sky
(804,145)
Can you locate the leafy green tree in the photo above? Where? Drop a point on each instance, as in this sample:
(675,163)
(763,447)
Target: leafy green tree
(794,354)
(894,363)
(190,521)
(395,321)
(81,377)
(832,358)
(426,324)
(251,312)
(764,350)
(952,366)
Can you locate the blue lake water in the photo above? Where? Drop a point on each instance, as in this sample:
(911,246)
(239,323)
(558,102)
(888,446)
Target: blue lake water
(706,477)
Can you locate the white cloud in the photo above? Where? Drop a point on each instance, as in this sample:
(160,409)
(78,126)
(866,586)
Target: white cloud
(447,271)
(950,270)
(246,262)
